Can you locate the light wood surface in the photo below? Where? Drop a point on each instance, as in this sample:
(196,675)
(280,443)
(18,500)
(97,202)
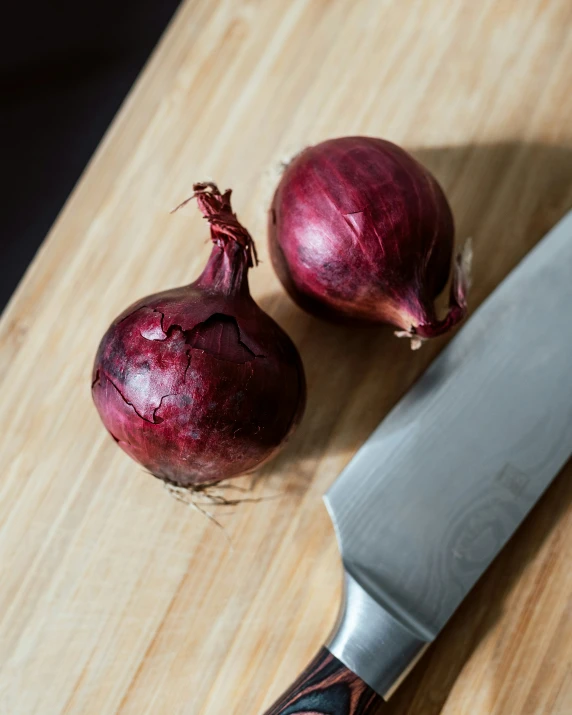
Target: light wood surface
(115,598)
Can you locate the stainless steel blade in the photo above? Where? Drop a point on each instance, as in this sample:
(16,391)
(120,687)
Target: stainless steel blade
(447,477)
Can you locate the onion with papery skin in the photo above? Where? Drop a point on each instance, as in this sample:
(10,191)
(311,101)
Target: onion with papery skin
(360,232)
(198,384)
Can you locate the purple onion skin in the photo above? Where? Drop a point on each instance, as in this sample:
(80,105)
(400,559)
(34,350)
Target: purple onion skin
(360,232)
(197,383)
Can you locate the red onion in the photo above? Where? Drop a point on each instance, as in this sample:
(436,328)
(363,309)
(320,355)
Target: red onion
(360,231)
(197,383)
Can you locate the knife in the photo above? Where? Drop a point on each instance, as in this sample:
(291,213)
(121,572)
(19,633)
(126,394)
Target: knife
(443,482)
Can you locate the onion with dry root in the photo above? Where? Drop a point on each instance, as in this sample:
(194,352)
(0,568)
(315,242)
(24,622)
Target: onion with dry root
(360,232)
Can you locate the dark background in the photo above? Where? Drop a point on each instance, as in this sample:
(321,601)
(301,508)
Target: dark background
(65,68)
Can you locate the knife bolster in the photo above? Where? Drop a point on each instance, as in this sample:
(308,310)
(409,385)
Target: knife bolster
(373,643)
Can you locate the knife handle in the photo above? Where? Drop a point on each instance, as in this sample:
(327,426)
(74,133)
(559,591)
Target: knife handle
(327,687)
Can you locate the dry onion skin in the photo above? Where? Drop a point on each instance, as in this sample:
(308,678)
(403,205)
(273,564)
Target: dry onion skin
(198,384)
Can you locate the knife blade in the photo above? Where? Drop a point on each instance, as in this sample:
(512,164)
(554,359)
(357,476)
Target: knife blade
(441,485)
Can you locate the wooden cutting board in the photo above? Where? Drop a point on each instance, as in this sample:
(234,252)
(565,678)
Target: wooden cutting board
(114,597)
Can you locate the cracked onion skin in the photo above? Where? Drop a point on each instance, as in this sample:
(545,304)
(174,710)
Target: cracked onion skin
(360,232)
(198,384)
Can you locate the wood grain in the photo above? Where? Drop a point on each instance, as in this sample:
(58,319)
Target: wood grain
(327,687)
(114,597)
